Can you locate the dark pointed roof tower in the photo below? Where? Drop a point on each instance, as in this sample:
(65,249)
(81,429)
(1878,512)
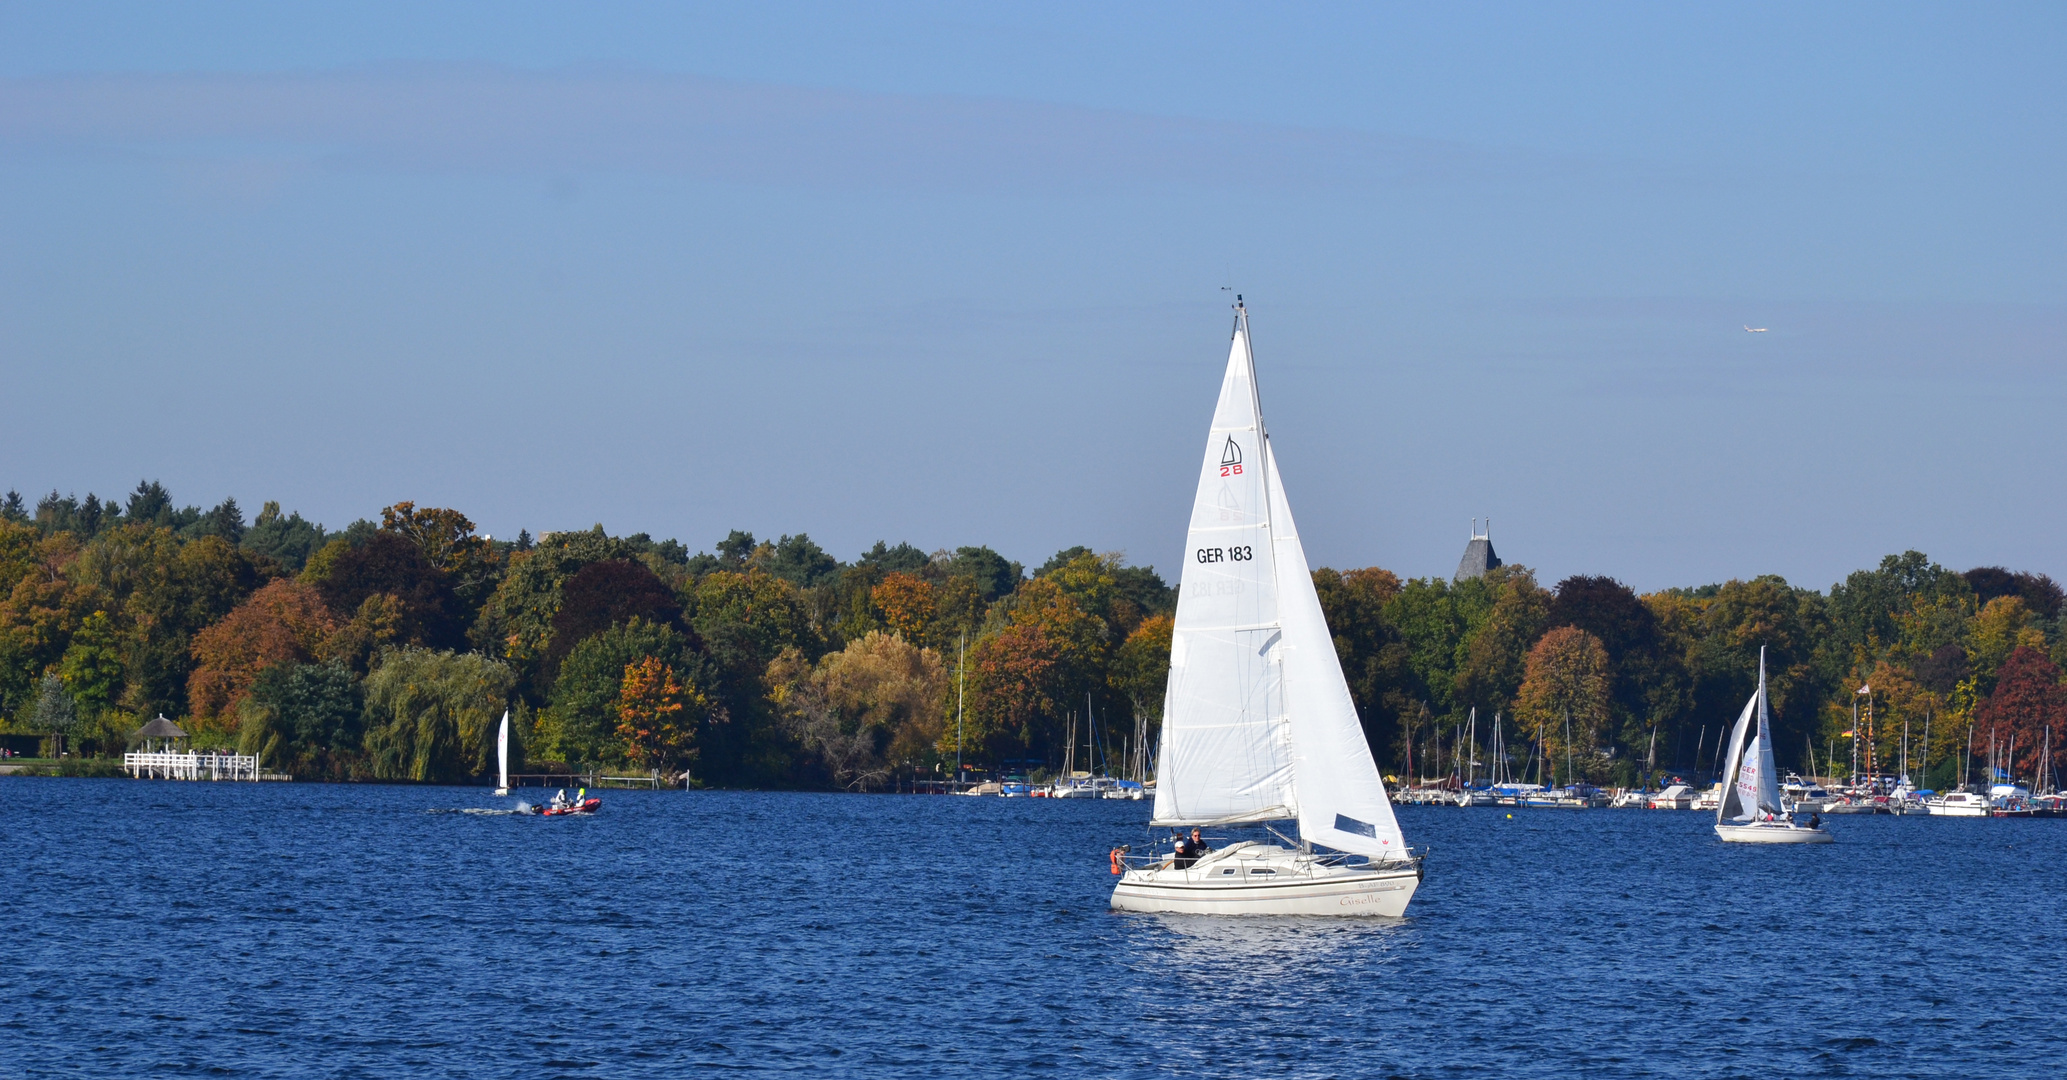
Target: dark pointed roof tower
(1478,554)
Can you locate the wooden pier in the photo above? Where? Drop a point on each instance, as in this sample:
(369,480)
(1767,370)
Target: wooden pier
(192,765)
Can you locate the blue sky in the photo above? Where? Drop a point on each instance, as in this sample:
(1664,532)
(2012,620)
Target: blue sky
(954,274)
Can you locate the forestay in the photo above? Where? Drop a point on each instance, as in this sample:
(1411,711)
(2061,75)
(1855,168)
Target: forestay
(1258,723)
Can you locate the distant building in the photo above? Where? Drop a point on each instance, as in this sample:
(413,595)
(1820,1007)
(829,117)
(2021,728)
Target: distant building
(1478,554)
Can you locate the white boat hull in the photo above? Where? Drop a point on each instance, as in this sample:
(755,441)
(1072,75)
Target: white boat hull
(1253,880)
(1772,832)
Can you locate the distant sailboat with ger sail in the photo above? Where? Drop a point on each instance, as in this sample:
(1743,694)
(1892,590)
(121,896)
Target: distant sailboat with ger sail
(1751,811)
(1258,724)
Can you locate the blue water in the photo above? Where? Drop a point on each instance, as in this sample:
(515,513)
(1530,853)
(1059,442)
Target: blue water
(309,930)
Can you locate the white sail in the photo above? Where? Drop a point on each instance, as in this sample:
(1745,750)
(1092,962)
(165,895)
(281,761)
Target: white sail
(1768,787)
(1341,799)
(1258,723)
(1750,783)
(502,752)
(1733,801)
(1225,750)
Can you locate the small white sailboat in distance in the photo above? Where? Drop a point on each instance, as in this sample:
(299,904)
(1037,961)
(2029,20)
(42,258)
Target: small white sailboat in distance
(1751,811)
(502,754)
(1258,724)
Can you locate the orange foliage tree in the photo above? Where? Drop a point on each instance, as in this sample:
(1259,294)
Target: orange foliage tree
(285,622)
(657,714)
(1566,685)
(908,606)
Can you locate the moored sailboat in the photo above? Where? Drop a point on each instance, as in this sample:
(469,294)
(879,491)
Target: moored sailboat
(1751,811)
(1258,724)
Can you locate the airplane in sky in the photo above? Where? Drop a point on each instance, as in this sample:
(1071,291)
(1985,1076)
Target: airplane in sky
(1754,329)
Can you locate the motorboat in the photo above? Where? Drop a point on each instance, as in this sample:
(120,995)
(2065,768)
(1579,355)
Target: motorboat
(1258,724)
(2011,801)
(1751,810)
(1674,797)
(1804,796)
(1958,804)
(561,805)
(1707,800)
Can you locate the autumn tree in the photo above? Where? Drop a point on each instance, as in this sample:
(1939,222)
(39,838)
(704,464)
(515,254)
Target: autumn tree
(1141,666)
(1566,690)
(285,622)
(865,710)
(907,606)
(1019,683)
(657,714)
(2028,706)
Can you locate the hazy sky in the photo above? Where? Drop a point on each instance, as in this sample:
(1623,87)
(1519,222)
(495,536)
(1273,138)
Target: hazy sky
(954,274)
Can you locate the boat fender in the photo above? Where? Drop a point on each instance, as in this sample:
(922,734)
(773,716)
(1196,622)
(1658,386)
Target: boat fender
(1117,867)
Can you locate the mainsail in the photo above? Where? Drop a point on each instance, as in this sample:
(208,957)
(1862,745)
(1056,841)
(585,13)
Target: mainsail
(502,751)
(1753,786)
(1258,723)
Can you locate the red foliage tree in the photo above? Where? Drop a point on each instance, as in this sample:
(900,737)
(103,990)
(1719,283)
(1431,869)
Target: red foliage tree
(2027,704)
(285,622)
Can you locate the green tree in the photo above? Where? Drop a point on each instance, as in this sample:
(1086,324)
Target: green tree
(580,721)
(431,714)
(288,540)
(516,623)
(92,663)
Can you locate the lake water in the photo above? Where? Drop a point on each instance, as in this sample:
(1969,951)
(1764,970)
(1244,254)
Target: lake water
(311,930)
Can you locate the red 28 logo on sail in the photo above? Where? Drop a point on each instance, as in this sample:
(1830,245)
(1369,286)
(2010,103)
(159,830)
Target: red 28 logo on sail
(1231,459)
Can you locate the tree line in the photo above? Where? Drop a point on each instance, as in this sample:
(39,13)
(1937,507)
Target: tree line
(389,650)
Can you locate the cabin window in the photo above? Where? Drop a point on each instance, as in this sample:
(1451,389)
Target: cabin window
(1261,870)
(1229,870)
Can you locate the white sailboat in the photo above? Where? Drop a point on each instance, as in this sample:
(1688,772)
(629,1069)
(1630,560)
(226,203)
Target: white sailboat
(1258,724)
(1751,811)
(502,754)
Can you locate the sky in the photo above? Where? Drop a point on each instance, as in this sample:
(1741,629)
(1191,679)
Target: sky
(960,274)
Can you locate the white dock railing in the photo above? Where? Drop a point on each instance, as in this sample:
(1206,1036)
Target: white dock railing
(191,765)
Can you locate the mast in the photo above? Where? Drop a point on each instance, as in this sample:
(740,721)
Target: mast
(961,682)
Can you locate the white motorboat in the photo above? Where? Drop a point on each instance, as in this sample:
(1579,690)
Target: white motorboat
(1258,725)
(1676,797)
(1958,804)
(1751,811)
(1804,796)
(1707,800)
(502,755)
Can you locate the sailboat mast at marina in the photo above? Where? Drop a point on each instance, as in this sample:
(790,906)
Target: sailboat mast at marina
(1258,723)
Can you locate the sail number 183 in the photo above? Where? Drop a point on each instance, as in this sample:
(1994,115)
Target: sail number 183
(1231,554)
